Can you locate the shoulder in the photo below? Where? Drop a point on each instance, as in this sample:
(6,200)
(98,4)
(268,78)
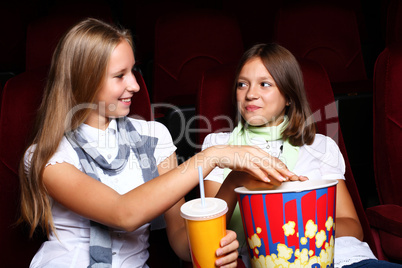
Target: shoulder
(213,139)
(326,150)
(322,142)
(64,154)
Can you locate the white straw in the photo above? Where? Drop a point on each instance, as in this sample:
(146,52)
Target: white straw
(202,193)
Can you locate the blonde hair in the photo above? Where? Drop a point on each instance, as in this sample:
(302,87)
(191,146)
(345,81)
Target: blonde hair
(76,74)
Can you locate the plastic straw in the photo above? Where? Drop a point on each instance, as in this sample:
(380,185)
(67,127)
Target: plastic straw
(202,192)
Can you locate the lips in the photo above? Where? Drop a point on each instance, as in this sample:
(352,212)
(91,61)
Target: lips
(125,100)
(252,108)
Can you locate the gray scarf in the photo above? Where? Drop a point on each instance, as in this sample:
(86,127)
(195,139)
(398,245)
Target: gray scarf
(93,163)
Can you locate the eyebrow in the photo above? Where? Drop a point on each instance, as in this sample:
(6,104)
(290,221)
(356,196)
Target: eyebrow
(122,70)
(259,78)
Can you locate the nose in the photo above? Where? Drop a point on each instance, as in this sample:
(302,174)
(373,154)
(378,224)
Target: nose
(132,84)
(252,93)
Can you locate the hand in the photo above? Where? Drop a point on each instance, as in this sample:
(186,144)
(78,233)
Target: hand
(252,160)
(298,178)
(239,178)
(228,251)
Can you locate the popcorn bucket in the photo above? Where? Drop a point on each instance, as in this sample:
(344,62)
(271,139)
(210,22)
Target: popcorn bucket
(292,225)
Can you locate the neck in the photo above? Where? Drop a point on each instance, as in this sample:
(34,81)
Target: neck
(99,122)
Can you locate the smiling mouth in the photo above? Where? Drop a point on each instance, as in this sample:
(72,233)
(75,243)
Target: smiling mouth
(126,100)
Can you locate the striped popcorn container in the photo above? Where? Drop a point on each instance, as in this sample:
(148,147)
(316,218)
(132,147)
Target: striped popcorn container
(292,225)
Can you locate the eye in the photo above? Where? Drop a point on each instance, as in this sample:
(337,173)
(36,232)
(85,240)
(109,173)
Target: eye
(241,84)
(265,84)
(119,76)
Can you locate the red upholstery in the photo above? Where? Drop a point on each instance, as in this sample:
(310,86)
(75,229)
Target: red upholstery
(186,44)
(21,97)
(12,41)
(388,124)
(385,218)
(43,35)
(140,104)
(215,106)
(394,22)
(328,35)
(218,83)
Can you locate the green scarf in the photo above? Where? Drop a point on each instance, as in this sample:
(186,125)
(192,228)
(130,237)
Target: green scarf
(242,135)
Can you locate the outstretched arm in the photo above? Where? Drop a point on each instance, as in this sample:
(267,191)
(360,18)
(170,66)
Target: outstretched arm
(94,200)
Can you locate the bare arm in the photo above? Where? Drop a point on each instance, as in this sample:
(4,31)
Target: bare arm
(347,222)
(96,201)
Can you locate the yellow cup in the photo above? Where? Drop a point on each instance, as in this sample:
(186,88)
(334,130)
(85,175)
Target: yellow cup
(206,226)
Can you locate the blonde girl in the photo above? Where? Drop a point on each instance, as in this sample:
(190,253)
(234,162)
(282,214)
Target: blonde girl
(93,179)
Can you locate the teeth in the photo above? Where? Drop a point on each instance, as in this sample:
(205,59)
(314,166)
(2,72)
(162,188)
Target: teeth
(125,100)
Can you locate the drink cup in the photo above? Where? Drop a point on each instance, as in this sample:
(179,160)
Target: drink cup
(292,225)
(206,226)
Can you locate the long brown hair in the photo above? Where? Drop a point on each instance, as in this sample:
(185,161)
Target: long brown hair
(76,74)
(286,72)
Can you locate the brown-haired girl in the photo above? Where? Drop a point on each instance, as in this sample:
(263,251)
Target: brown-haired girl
(275,116)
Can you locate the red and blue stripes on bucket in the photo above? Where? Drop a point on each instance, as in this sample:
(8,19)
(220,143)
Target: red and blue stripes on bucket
(301,221)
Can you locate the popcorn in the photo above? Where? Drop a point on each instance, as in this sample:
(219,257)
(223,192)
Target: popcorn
(329,223)
(320,238)
(311,229)
(289,228)
(291,257)
(254,241)
(284,252)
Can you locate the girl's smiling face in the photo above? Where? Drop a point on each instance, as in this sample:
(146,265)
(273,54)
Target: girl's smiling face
(118,87)
(258,98)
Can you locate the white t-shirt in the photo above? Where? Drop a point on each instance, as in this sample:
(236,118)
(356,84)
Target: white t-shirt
(320,160)
(71,246)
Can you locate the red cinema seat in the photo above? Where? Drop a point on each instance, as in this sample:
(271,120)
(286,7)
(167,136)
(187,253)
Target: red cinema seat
(386,218)
(328,35)
(44,33)
(393,31)
(186,44)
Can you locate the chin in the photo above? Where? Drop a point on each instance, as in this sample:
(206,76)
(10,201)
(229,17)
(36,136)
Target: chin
(257,122)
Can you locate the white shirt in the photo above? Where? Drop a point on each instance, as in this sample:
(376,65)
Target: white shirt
(320,160)
(71,246)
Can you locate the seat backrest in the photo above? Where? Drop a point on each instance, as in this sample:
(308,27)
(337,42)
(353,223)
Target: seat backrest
(393,31)
(326,34)
(186,44)
(219,83)
(12,41)
(44,33)
(20,100)
(21,97)
(388,124)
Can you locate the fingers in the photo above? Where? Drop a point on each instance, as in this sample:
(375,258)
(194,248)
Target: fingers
(298,178)
(229,239)
(227,261)
(227,253)
(258,185)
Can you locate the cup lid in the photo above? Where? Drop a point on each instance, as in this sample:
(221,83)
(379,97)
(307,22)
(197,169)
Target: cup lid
(290,186)
(194,210)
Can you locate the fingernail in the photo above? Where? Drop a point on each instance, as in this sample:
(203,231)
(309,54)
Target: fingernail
(266,179)
(218,252)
